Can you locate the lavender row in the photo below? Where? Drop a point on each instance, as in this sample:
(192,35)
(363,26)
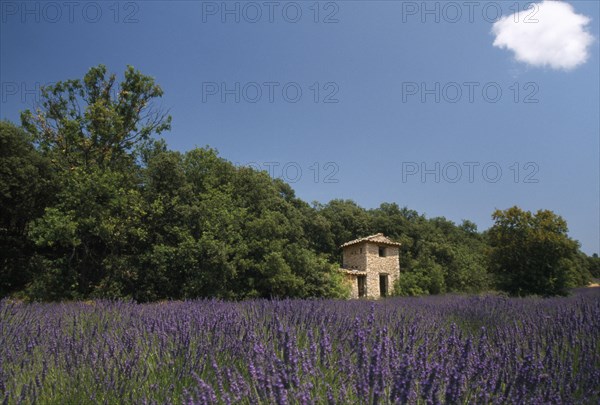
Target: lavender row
(427,350)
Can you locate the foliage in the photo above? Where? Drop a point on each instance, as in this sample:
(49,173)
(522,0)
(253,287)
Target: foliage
(411,284)
(532,253)
(93,122)
(26,187)
(593,264)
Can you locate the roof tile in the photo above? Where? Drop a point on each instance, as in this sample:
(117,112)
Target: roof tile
(377,238)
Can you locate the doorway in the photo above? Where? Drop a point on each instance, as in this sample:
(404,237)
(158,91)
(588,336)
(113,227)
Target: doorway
(383,285)
(362,286)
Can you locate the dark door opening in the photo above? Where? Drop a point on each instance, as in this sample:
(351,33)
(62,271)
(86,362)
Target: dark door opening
(362,286)
(383,285)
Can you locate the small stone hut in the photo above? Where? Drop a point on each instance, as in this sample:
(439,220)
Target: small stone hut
(371,266)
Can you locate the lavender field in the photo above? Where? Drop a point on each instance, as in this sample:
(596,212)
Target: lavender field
(425,350)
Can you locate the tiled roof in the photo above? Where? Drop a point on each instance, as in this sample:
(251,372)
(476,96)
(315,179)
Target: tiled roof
(377,238)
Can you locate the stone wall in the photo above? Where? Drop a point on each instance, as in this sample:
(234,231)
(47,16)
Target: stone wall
(354,257)
(376,265)
(352,282)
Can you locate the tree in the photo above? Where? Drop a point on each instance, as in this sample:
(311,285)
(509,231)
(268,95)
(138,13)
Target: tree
(531,253)
(86,240)
(94,122)
(594,265)
(26,186)
(89,239)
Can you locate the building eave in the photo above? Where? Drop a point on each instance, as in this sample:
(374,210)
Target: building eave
(378,238)
(353,272)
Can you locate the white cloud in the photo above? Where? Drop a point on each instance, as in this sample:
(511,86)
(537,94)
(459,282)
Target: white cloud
(550,34)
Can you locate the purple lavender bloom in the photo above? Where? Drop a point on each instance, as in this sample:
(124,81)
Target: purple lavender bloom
(445,349)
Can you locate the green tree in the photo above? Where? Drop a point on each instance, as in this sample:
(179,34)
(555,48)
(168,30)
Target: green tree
(531,253)
(90,238)
(94,121)
(87,238)
(594,265)
(411,284)
(222,231)
(348,220)
(26,187)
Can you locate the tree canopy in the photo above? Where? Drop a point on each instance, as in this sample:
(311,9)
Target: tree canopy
(532,253)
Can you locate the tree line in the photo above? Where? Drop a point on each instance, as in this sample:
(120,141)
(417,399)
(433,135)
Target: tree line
(95,205)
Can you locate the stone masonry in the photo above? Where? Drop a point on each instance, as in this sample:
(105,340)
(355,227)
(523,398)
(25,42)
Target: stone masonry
(371,266)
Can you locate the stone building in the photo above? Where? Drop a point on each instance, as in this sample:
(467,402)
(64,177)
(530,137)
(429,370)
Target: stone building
(371,266)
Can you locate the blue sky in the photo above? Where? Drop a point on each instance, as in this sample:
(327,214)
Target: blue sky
(400,101)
